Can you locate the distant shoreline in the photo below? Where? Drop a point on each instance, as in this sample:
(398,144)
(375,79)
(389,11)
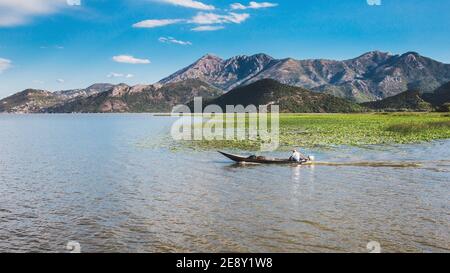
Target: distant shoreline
(192,114)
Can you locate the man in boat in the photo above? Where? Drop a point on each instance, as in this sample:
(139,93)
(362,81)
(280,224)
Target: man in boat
(298,157)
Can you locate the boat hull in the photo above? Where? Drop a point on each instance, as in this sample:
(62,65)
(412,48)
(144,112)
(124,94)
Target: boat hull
(243,159)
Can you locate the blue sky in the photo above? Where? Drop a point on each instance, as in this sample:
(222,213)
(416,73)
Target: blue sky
(58,44)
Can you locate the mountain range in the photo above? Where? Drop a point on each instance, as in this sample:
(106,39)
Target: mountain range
(105,98)
(381,78)
(372,76)
(140,98)
(35,100)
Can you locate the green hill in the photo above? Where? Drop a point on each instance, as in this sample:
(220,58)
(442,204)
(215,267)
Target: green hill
(403,102)
(415,101)
(290,99)
(440,98)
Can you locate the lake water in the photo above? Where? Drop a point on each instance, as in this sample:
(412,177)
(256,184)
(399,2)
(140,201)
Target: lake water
(108,182)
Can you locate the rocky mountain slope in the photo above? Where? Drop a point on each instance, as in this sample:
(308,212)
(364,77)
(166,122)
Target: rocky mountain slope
(109,98)
(91,90)
(224,74)
(35,101)
(29,101)
(371,76)
(140,98)
(291,99)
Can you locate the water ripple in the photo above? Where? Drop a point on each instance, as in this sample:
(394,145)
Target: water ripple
(86,178)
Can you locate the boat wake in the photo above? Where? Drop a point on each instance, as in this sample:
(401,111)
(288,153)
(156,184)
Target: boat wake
(369,164)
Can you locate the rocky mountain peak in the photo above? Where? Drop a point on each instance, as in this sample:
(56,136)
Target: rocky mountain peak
(224,74)
(375,54)
(30,92)
(413,59)
(411,54)
(371,58)
(247,64)
(100,86)
(206,64)
(256,57)
(210,58)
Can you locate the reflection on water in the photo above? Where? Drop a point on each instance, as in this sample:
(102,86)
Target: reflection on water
(88,178)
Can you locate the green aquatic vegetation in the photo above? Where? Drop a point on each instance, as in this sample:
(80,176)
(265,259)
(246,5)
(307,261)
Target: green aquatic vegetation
(327,130)
(417,128)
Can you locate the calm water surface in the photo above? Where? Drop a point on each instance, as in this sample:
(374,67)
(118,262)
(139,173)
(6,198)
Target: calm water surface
(107,182)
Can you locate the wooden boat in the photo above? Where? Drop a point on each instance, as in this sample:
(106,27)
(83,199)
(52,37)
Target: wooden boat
(259,159)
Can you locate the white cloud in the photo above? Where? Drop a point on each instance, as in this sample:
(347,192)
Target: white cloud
(253,5)
(55,47)
(119,75)
(207,28)
(212,18)
(238,6)
(256,5)
(130,59)
(18,12)
(374,2)
(171,40)
(4,64)
(157,23)
(190,4)
(73,2)
(202,18)
(60,80)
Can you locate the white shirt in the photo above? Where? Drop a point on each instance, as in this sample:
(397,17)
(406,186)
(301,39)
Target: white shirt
(296,156)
